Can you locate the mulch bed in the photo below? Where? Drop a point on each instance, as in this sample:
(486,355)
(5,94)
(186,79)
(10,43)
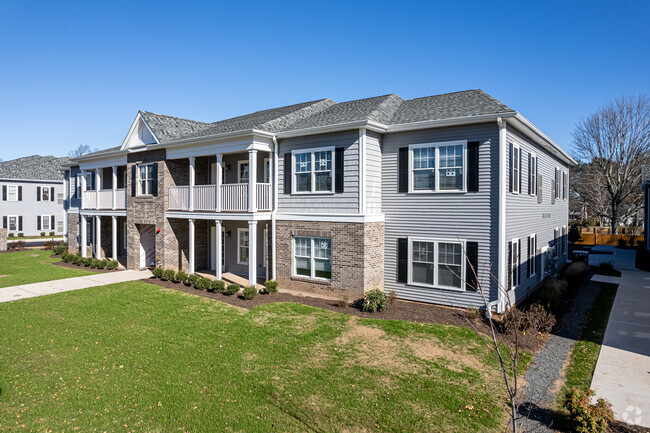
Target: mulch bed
(399,310)
(73,266)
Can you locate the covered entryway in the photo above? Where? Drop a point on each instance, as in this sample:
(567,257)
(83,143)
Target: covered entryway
(147,245)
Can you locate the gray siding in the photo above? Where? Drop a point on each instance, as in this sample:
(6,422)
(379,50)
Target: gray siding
(470,216)
(29,208)
(346,202)
(525,216)
(373,173)
(231,248)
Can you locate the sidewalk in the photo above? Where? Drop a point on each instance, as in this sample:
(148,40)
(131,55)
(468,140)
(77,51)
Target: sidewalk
(13,293)
(622,374)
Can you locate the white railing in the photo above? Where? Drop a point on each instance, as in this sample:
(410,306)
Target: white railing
(179,197)
(263,196)
(205,197)
(120,198)
(90,199)
(105,199)
(234,197)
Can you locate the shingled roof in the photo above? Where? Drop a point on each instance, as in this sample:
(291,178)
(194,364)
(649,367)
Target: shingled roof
(33,167)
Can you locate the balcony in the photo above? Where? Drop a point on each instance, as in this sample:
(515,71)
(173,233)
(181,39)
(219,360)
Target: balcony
(105,196)
(232,197)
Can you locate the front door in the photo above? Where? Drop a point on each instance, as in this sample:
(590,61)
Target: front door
(147,245)
(213,250)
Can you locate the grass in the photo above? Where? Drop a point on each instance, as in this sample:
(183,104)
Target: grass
(33,266)
(16,238)
(137,357)
(586,350)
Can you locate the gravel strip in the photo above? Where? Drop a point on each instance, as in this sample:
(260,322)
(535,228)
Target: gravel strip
(542,377)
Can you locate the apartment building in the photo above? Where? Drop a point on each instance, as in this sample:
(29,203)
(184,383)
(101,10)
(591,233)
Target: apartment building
(335,199)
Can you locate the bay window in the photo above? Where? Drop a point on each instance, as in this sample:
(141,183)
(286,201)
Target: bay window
(314,171)
(312,257)
(436,167)
(436,263)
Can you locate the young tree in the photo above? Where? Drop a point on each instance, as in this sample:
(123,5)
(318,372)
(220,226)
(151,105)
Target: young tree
(82,149)
(616,140)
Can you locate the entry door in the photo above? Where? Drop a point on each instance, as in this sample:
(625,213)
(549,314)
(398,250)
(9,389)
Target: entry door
(147,245)
(213,250)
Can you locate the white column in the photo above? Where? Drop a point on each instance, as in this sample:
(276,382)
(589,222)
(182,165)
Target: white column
(98,237)
(82,187)
(271,178)
(114,184)
(192,178)
(218,174)
(217,249)
(98,184)
(84,242)
(252,180)
(252,252)
(273,257)
(191,234)
(114,238)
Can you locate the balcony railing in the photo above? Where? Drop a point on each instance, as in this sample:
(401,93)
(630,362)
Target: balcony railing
(105,199)
(263,196)
(205,197)
(233,197)
(89,200)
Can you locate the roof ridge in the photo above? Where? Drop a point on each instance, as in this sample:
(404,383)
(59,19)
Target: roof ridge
(493,99)
(448,93)
(173,117)
(386,102)
(326,103)
(269,109)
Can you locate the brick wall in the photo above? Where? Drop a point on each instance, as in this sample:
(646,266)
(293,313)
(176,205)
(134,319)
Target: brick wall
(357,258)
(3,239)
(73,233)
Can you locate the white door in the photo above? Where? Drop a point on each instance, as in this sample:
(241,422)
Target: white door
(147,245)
(213,251)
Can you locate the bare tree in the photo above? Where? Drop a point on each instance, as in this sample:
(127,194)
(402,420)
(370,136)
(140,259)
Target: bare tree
(588,193)
(616,140)
(82,149)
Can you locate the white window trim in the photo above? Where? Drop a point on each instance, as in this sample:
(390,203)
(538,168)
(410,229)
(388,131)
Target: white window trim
(436,241)
(47,218)
(267,170)
(514,263)
(15,193)
(137,175)
(43,188)
(9,229)
(531,175)
(436,169)
(239,164)
(532,254)
(239,230)
(312,259)
(518,177)
(313,177)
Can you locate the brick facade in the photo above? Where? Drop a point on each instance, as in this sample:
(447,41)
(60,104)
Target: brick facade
(357,258)
(73,233)
(3,239)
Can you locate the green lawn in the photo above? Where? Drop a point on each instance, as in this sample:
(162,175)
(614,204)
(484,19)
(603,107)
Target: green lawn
(137,357)
(16,238)
(33,266)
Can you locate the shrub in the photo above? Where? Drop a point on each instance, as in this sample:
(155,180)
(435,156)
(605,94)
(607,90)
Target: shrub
(539,320)
(10,235)
(157,272)
(102,264)
(551,294)
(17,245)
(344,301)
(606,267)
(392,297)
(249,292)
(271,286)
(473,313)
(112,265)
(95,263)
(42,234)
(49,245)
(87,261)
(203,283)
(587,417)
(20,235)
(217,286)
(180,277)
(375,300)
(66,258)
(60,248)
(512,320)
(73,259)
(231,289)
(192,280)
(168,274)
(52,233)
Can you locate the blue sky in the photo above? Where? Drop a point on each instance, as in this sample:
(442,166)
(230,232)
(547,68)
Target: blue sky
(77,72)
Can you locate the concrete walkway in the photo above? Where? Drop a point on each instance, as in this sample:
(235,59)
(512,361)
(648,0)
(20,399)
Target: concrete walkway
(33,290)
(622,374)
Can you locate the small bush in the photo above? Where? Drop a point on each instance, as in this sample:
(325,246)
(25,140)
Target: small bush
(74,259)
(344,301)
(60,248)
(168,274)
(587,417)
(606,267)
(249,292)
(271,287)
(112,265)
(49,245)
(539,320)
(20,235)
(52,233)
(217,286)
(87,261)
(203,283)
(513,320)
(102,264)
(232,289)
(473,313)
(157,272)
(180,277)
(392,297)
(10,235)
(94,264)
(65,258)
(16,245)
(375,300)
(192,280)
(43,234)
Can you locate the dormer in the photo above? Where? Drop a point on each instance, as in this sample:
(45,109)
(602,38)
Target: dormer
(139,135)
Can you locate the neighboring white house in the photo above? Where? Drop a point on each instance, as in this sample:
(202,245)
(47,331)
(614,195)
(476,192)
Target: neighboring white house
(31,194)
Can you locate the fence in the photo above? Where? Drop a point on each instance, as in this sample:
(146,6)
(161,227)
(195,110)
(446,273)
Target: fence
(607,239)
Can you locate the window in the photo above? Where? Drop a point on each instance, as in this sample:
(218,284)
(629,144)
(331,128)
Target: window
(59,198)
(12,192)
(565,183)
(267,170)
(532,174)
(516,169)
(45,193)
(242,246)
(532,255)
(312,257)
(436,263)
(242,172)
(514,264)
(45,222)
(558,183)
(145,179)
(314,171)
(59,226)
(437,166)
(12,222)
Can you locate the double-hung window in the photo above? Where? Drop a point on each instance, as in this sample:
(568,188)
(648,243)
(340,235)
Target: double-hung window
(314,171)
(516,169)
(532,255)
(12,192)
(437,166)
(145,179)
(45,222)
(242,172)
(436,263)
(12,222)
(515,261)
(312,257)
(242,246)
(45,193)
(532,174)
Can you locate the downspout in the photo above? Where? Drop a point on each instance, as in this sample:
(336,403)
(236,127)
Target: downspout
(503,268)
(275,206)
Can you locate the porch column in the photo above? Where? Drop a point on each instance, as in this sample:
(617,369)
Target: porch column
(273,257)
(252,251)
(98,237)
(272,179)
(218,174)
(191,257)
(82,187)
(114,232)
(98,184)
(192,178)
(217,249)
(84,241)
(114,185)
(252,180)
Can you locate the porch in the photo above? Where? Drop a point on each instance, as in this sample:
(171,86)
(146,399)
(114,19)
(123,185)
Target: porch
(105,236)
(104,188)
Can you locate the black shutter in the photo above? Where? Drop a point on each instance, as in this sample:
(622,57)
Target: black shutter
(528,263)
(509,266)
(154,183)
(20,193)
(403,166)
(338,179)
(4,221)
(540,182)
(538,261)
(520,170)
(472,166)
(287,173)
(553,190)
(38,193)
(4,192)
(38,222)
(134,180)
(471,250)
(519,262)
(20,224)
(52,223)
(402,259)
(511,166)
(52,193)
